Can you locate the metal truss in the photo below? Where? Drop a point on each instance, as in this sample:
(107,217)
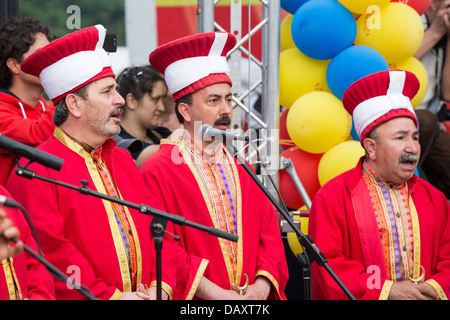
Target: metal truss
(253,78)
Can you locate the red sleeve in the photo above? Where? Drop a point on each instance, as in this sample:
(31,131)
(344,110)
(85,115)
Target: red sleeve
(271,259)
(269,254)
(28,131)
(189,268)
(38,281)
(333,228)
(50,226)
(434,217)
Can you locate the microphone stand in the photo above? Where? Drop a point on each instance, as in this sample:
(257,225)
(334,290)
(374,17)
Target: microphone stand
(158,227)
(306,241)
(55,272)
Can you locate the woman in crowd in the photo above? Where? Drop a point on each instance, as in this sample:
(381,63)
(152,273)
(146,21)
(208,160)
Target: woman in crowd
(144,90)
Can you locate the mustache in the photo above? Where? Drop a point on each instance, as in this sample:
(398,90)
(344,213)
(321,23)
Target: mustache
(408,157)
(223,120)
(116,111)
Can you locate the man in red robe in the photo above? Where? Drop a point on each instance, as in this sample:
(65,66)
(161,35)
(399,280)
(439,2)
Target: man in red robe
(22,276)
(104,246)
(384,231)
(201,181)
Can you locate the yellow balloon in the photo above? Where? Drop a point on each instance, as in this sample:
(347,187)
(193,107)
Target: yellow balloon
(415,66)
(300,74)
(292,239)
(396,31)
(363,6)
(318,121)
(339,159)
(286,41)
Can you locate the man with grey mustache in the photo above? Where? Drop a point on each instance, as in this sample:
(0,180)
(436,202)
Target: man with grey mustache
(385,231)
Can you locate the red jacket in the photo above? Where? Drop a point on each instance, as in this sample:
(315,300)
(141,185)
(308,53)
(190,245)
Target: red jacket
(344,228)
(32,279)
(79,233)
(23,123)
(260,249)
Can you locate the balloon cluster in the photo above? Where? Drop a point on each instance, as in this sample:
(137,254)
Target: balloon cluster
(326,45)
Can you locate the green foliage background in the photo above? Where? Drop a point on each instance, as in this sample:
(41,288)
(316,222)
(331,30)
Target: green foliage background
(109,13)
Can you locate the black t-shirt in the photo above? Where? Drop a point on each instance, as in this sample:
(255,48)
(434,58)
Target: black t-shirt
(156,134)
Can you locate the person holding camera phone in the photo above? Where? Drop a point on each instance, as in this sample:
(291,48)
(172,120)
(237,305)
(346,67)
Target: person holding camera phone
(434,55)
(25,115)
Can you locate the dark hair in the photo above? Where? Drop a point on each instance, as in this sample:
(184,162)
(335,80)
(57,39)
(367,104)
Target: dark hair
(374,136)
(138,81)
(61,112)
(185,99)
(16,37)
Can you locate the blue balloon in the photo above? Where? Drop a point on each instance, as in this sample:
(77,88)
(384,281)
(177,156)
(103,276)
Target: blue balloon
(323,28)
(353,132)
(351,65)
(291,6)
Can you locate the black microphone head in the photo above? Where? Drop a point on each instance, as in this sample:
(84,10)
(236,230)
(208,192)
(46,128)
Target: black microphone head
(31,153)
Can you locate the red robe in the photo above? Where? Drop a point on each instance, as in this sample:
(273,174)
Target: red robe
(344,228)
(32,130)
(33,281)
(79,233)
(260,249)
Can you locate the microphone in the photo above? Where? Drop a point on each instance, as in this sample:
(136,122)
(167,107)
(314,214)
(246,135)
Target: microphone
(8,202)
(43,158)
(206,132)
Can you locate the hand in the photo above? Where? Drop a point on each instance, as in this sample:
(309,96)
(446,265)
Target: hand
(258,291)
(7,232)
(131,296)
(441,22)
(408,290)
(140,294)
(208,290)
(152,293)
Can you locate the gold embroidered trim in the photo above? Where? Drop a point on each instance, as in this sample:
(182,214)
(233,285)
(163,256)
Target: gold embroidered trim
(416,238)
(16,280)
(164,286)
(438,288)
(197,279)
(232,278)
(9,279)
(136,242)
(116,296)
(274,282)
(240,251)
(386,290)
(115,231)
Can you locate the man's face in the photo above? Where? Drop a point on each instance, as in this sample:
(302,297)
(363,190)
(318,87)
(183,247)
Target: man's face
(41,41)
(101,110)
(211,105)
(395,156)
